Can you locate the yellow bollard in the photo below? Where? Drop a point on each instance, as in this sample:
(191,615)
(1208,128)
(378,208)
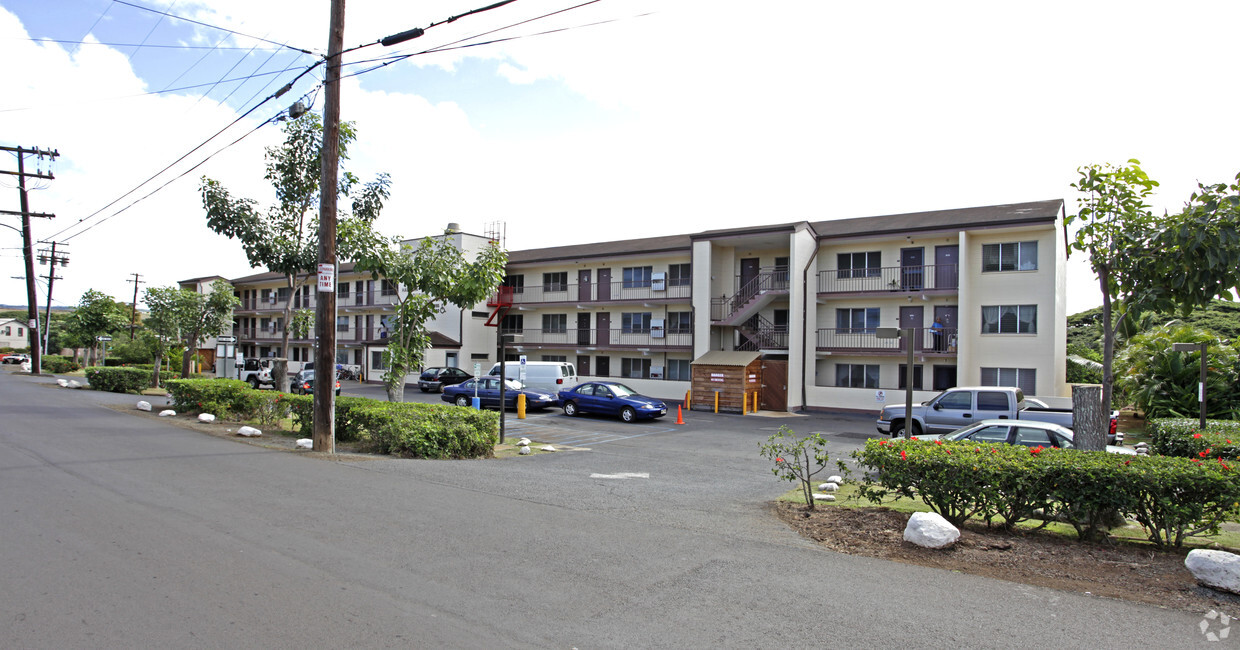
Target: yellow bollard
(520,406)
(688,404)
(744,403)
(755,401)
(716,401)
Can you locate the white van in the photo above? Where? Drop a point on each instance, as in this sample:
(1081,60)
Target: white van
(546,376)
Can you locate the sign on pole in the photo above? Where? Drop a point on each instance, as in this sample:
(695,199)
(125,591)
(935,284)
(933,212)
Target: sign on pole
(103,338)
(327,277)
(227,339)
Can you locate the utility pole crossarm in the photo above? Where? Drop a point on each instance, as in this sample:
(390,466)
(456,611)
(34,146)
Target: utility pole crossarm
(41,215)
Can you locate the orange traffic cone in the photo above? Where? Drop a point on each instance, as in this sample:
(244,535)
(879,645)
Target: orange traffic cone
(680,416)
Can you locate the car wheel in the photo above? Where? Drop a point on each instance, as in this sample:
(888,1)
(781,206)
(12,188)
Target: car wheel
(461,400)
(253,382)
(424,389)
(570,409)
(628,414)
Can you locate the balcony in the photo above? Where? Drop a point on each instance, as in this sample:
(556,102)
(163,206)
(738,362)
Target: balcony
(841,340)
(576,293)
(343,337)
(351,302)
(606,338)
(930,278)
(770,283)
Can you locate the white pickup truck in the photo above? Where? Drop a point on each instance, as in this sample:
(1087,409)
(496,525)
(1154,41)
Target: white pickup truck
(959,407)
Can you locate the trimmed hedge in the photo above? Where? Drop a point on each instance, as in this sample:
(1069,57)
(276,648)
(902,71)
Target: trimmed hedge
(118,380)
(57,364)
(406,429)
(225,398)
(1184,437)
(1171,497)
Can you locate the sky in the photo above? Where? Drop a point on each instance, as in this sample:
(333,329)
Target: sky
(613,120)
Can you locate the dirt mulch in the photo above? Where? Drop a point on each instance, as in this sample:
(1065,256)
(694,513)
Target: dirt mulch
(1113,570)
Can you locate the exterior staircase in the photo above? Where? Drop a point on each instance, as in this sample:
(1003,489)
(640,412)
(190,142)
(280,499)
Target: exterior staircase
(771,283)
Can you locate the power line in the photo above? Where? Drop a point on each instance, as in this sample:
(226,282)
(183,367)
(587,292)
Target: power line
(222,29)
(148,34)
(152,45)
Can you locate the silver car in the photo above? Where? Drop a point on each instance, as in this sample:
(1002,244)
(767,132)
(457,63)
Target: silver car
(1029,433)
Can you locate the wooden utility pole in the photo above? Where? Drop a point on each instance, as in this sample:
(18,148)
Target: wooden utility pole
(32,298)
(133,314)
(51,260)
(325,314)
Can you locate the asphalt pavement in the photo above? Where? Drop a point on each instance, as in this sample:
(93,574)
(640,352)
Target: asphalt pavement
(121,531)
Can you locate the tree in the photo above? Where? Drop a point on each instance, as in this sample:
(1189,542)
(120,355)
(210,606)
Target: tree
(188,317)
(434,275)
(797,460)
(1163,383)
(284,240)
(97,314)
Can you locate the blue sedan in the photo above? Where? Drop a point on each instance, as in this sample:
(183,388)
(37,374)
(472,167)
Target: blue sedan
(611,398)
(462,394)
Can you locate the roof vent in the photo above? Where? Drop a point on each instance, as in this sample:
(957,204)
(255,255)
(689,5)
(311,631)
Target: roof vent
(453,227)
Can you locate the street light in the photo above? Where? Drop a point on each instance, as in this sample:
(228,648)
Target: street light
(895,333)
(504,340)
(1201,387)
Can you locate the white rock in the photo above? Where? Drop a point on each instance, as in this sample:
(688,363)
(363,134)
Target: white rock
(73,383)
(167,413)
(26,367)
(1217,569)
(249,432)
(206,417)
(931,530)
(836,479)
(305,443)
(824,497)
(63,383)
(144,406)
(547,448)
(524,442)
(829,487)
(524,451)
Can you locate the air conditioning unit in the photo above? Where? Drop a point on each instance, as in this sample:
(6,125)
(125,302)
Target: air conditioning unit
(657,328)
(658,281)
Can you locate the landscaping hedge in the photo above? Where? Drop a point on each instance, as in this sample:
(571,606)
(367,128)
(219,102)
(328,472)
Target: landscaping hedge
(410,430)
(118,380)
(224,398)
(1171,497)
(57,364)
(1184,437)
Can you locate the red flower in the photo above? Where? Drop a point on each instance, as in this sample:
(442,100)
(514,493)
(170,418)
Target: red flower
(993,450)
(978,449)
(1202,453)
(1196,435)
(882,442)
(903,456)
(1226,466)
(1128,462)
(1036,450)
(1196,460)
(778,459)
(948,451)
(938,442)
(913,438)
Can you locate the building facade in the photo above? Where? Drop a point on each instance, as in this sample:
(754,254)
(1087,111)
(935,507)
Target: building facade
(979,294)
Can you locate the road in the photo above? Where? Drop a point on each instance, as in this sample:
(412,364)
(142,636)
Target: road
(121,531)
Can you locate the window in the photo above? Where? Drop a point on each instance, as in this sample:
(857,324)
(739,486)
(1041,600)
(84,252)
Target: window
(1012,256)
(635,368)
(479,355)
(555,357)
(342,290)
(515,282)
(1023,378)
(992,434)
(637,276)
(855,375)
(679,322)
(960,400)
(265,296)
(342,323)
(678,275)
(1032,437)
(780,277)
(512,323)
(859,265)
(678,370)
(635,323)
(389,288)
(555,324)
(282,294)
(1010,319)
(990,400)
(916,376)
(555,281)
(857,321)
(376,360)
(480,314)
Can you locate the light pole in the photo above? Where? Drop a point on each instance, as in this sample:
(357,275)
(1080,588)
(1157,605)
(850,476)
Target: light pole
(504,340)
(907,334)
(1201,387)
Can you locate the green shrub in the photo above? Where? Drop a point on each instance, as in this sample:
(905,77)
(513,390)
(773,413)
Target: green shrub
(1172,498)
(410,430)
(1182,437)
(118,380)
(55,363)
(113,363)
(220,397)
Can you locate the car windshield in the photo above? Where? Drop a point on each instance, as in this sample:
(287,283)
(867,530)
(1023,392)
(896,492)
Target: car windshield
(960,434)
(621,390)
(513,384)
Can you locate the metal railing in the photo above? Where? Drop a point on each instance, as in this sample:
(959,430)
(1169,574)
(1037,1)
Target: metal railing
(613,337)
(770,278)
(363,299)
(351,335)
(758,333)
(940,277)
(855,339)
(616,291)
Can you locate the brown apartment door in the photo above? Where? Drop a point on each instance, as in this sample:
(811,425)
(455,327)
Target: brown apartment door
(946,267)
(912,269)
(604,284)
(602,324)
(583,285)
(775,385)
(912,317)
(583,365)
(583,329)
(749,273)
(950,331)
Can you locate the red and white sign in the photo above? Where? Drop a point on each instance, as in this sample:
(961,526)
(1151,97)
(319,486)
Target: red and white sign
(327,277)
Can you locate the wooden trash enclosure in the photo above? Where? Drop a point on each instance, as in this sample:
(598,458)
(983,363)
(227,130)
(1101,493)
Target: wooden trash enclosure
(735,375)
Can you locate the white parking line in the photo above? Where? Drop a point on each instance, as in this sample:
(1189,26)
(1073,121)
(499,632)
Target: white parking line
(623,475)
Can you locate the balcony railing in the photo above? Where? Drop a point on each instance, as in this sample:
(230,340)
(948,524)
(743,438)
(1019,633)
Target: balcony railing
(929,277)
(351,335)
(769,279)
(595,337)
(862,340)
(574,292)
(363,299)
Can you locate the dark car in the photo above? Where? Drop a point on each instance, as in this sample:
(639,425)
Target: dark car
(611,398)
(438,378)
(303,383)
(462,394)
